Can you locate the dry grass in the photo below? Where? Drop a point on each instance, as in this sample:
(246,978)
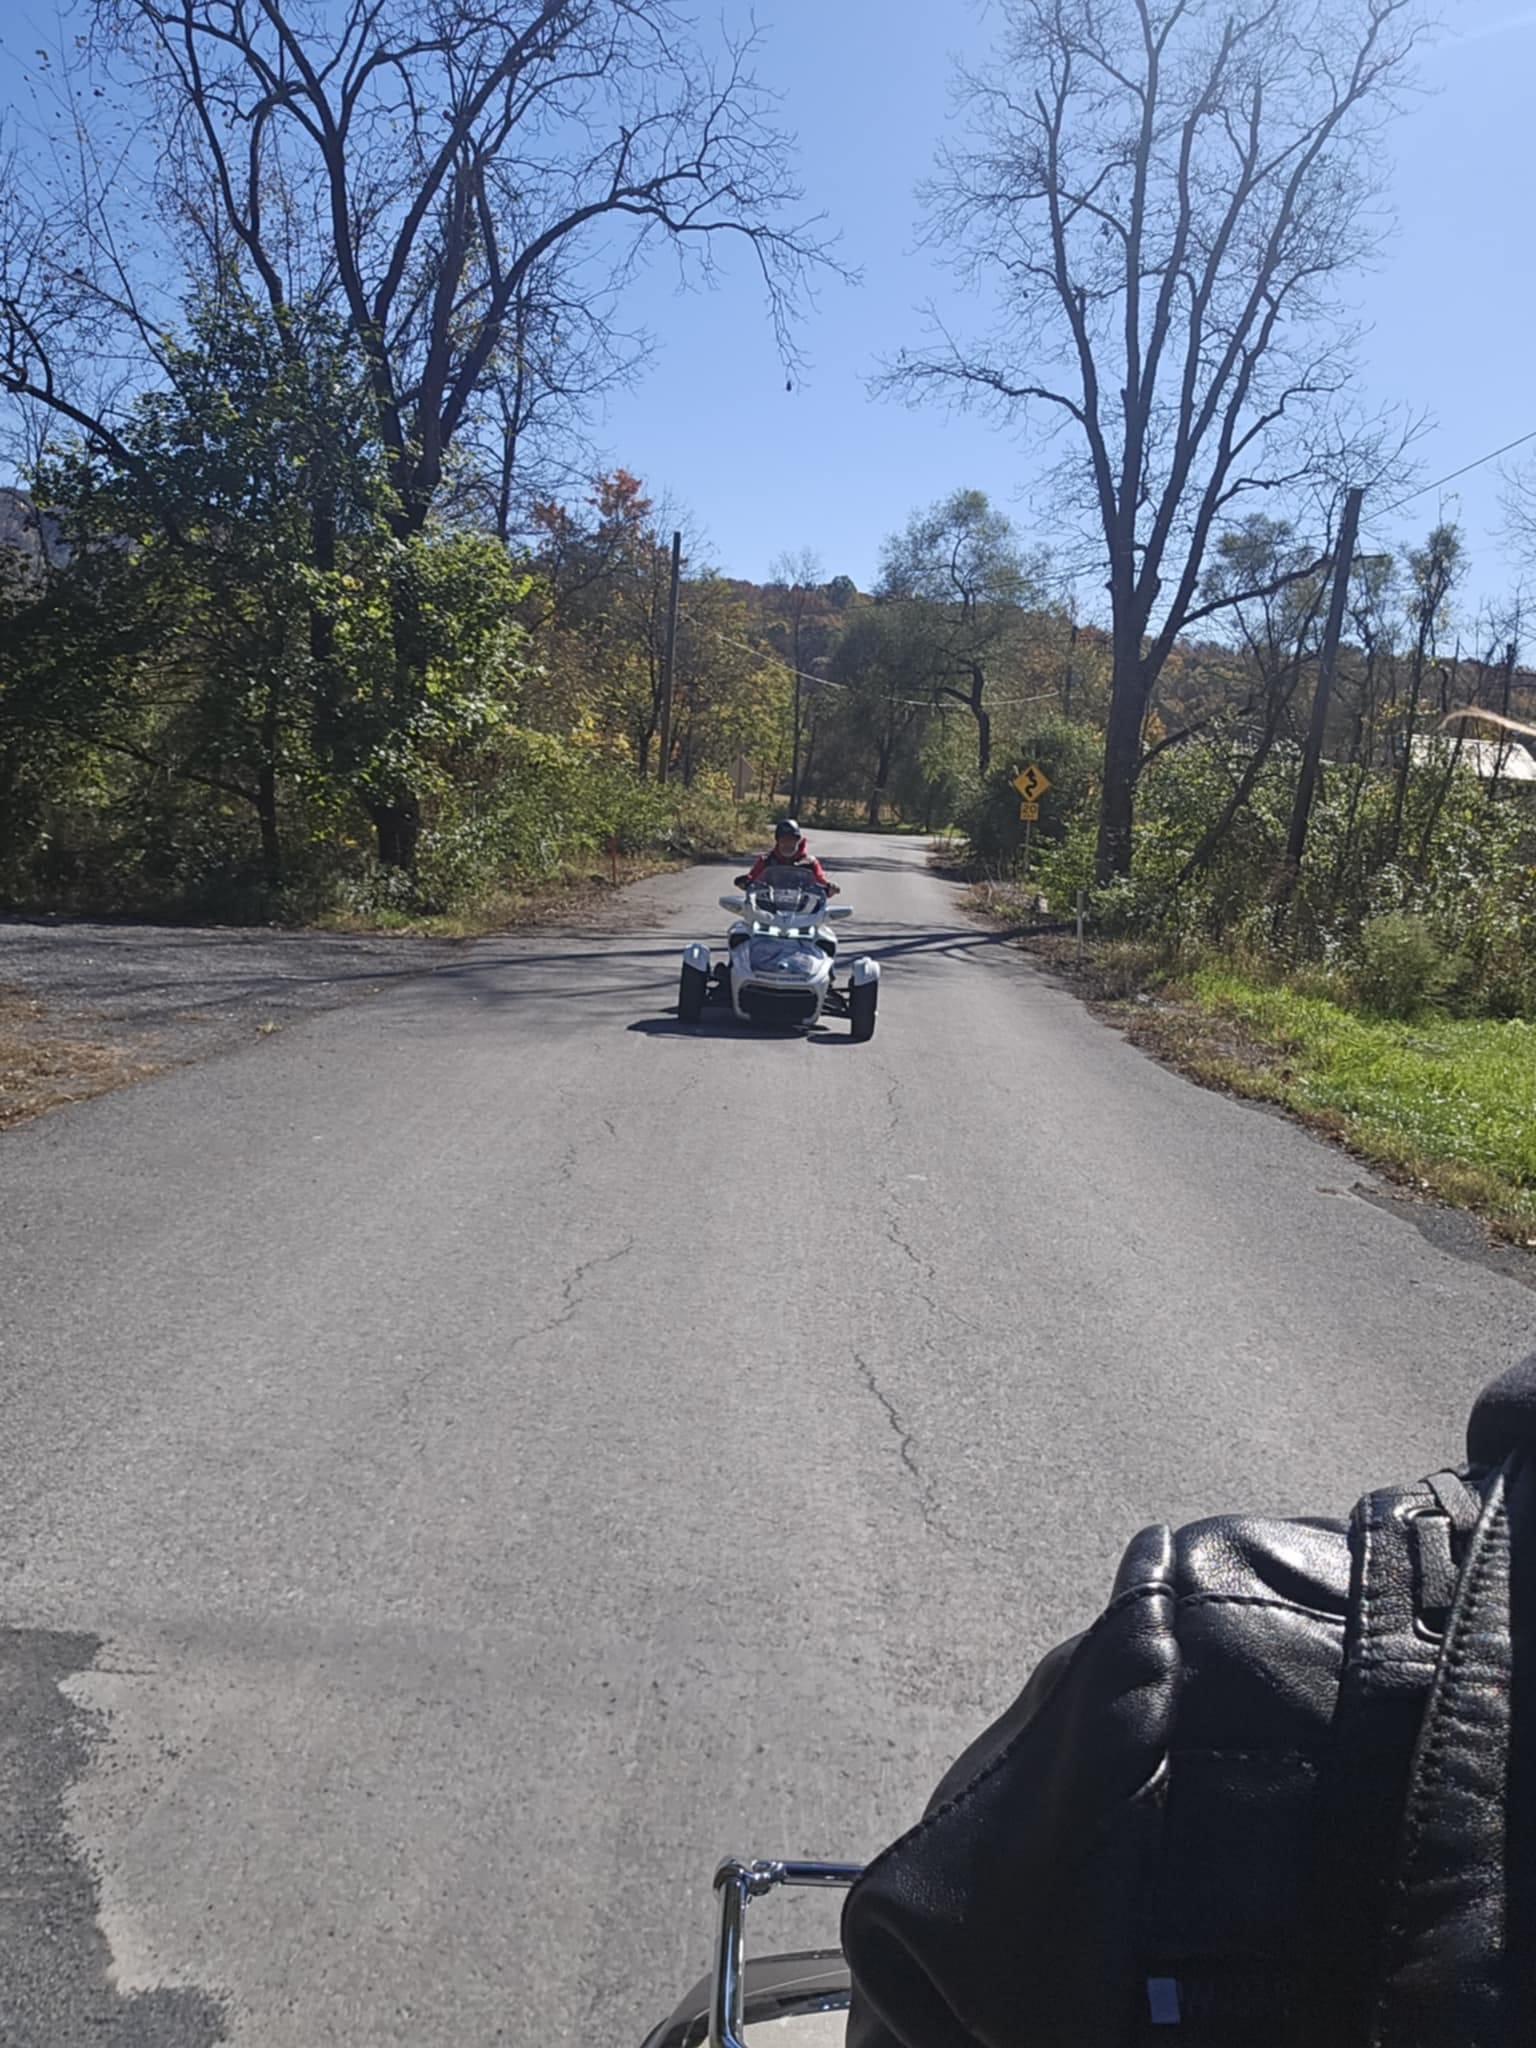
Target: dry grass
(42,1069)
(576,894)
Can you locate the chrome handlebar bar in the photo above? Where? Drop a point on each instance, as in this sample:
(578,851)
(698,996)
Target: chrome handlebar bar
(738,1884)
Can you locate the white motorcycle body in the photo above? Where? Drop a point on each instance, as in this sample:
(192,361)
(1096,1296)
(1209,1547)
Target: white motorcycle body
(781,965)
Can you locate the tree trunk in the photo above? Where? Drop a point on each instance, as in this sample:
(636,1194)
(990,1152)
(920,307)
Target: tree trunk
(271,837)
(1309,780)
(983,718)
(1501,759)
(1122,755)
(397,828)
(10,807)
(885,748)
(1067,676)
(325,698)
(810,756)
(1429,605)
(1210,845)
(1346,853)
(504,484)
(1432,823)
(266,788)
(397,818)
(1405,764)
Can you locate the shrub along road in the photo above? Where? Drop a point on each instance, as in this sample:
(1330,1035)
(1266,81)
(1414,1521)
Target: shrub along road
(479,1456)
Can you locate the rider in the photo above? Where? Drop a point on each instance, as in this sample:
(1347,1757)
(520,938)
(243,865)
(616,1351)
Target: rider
(788,851)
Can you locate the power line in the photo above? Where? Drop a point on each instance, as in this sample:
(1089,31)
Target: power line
(827,682)
(1441,481)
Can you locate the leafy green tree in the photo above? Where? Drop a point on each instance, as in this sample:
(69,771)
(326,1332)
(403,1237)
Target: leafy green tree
(196,531)
(882,673)
(960,580)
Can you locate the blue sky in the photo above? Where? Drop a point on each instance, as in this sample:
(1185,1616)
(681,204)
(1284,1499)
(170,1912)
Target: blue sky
(1451,309)
(865,86)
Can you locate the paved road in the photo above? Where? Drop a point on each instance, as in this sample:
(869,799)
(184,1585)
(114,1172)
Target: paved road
(168,993)
(476,1457)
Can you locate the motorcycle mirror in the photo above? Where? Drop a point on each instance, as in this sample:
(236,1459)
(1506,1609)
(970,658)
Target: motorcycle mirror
(838,910)
(733,902)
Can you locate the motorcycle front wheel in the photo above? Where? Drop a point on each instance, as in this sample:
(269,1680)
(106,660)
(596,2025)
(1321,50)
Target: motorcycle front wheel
(691,990)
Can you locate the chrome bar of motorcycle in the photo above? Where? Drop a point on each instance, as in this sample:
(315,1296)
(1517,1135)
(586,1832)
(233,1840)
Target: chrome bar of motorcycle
(738,1883)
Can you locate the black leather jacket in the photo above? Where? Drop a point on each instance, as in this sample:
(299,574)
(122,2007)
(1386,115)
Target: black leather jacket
(1177,1814)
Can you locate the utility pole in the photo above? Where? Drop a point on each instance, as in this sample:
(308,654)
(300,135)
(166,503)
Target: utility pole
(1312,753)
(1501,759)
(797,598)
(794,752)
(669,662)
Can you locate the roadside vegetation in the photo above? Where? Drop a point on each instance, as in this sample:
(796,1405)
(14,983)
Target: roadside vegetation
(1387,995)
(1444,1104)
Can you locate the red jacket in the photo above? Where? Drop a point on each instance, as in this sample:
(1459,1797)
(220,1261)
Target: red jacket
(802,860)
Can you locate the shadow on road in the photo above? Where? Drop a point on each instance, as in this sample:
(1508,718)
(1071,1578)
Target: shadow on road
(851,864)
(667,1027)
(728,1031)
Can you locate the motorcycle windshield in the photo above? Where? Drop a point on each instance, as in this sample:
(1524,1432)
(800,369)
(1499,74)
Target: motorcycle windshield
(776,908)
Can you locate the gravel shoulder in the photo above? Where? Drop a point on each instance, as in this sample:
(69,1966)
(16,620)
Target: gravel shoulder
(86,1006)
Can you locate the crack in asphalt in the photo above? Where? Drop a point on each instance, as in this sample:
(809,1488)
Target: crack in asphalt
(926,1268)
(570,1300)
(929,1505)
(927,1293)
(906,1445)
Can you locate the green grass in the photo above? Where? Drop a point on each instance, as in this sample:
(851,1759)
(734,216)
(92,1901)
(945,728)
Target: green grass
(1449,1102)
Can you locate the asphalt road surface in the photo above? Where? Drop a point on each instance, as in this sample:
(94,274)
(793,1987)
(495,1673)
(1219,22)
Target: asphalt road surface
(482,1454)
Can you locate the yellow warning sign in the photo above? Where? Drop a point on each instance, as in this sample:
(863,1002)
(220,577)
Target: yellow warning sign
(1029,813)
(1031,783)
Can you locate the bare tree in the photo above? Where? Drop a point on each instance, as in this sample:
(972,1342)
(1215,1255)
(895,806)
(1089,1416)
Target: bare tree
(1278,630)
(441,175)
(1164,196)
(1434,571)
(420,162)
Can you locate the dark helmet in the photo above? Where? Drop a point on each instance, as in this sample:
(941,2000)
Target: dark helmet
(786,828)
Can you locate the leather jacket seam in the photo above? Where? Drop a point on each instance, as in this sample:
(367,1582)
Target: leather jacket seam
(1309,1760)
(1428,1773)
(1258,1600)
